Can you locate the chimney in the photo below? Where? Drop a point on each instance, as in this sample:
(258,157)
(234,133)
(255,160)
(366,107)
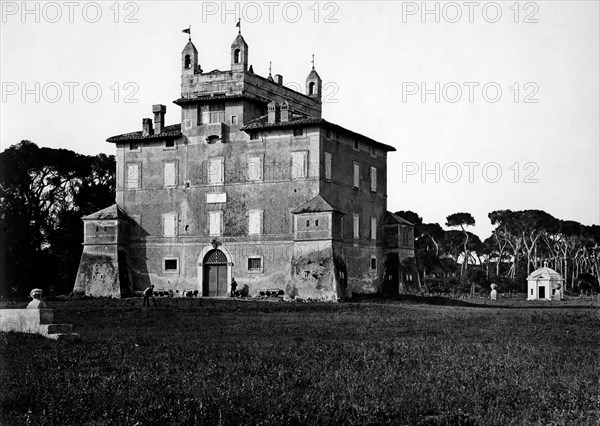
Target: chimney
(279,79)
(159,118)
(147,127)
(285,111)
(273,112)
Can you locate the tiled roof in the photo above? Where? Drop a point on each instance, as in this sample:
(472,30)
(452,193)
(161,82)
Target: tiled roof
(171,131)
(262,124)
(112,212)
(218,97)
(392,219)
(317,204)
(544,273)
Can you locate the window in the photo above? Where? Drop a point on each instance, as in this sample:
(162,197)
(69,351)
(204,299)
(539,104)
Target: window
(373,228)
(373,179)
(373,265)
(133,176)
(299,165)
(169,224)
(253,136)
(356,175)
(355,144)
(213,113)
(255,222)
(134,146)
(328,166)
(311,88)
(317,222)
(188,62)
(215,171)
(170,143)
(255,264)
(356,226)
(298,131)
(214,219)
(255,169)
(328,133)
(171,265)
(234,119)
(236,56)
(170,173)
(307,223)
(372,151)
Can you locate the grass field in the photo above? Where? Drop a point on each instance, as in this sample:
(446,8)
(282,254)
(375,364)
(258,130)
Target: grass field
(417,361)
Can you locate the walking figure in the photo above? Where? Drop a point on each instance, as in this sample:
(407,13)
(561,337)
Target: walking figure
(233,287)
(149,293)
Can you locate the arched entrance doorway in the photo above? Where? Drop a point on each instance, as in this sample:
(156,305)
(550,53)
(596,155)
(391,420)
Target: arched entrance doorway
(214,271)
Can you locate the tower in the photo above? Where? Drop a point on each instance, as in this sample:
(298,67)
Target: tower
(239,54)
(313,82)
(189,59)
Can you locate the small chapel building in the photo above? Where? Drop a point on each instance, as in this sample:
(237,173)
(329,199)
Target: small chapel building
(545,284)
(251,184)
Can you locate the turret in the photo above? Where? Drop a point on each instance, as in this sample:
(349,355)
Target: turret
(313,84)
(189,59)
(239,54)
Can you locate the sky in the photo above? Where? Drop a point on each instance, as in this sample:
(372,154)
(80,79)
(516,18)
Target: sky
(490,105)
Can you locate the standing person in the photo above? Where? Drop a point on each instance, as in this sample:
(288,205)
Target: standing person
(149,293)
(233,287)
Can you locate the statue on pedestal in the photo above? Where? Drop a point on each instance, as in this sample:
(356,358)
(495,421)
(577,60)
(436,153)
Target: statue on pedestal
(36,303)
(494,293)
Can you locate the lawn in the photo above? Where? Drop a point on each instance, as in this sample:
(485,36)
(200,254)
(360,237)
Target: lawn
(417,361)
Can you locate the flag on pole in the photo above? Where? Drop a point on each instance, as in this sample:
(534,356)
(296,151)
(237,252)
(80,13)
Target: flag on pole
(239,26)
(187,31)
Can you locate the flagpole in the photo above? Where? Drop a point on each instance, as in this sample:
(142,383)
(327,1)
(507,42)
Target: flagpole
(190,33)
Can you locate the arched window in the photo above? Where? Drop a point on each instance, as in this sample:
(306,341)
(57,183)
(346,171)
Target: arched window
(187,62)
(311,88)
(236,56)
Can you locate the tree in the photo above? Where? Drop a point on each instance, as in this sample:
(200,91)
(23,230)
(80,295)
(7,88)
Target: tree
(43,194)
(461,220)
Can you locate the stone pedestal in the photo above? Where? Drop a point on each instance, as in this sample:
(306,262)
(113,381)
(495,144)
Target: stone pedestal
(494,295)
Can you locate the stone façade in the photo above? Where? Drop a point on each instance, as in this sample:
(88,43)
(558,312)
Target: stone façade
(252,184)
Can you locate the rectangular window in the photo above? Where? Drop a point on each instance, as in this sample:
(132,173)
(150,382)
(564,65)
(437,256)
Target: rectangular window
(373,265)
(133,176)
(328,134)
(216,113)
(373,179)
(355,145)
(169,224)
(255,222)
(255,264)
(255,168)
(170,143)
(299,164)
(171,265)
(356,175)
(373,228)
(214,219)
(234,119)
(298,131)
(170,173)
(372,151)
(327,166)
(215,171)
(356,226)
(253,136)
(134,146)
